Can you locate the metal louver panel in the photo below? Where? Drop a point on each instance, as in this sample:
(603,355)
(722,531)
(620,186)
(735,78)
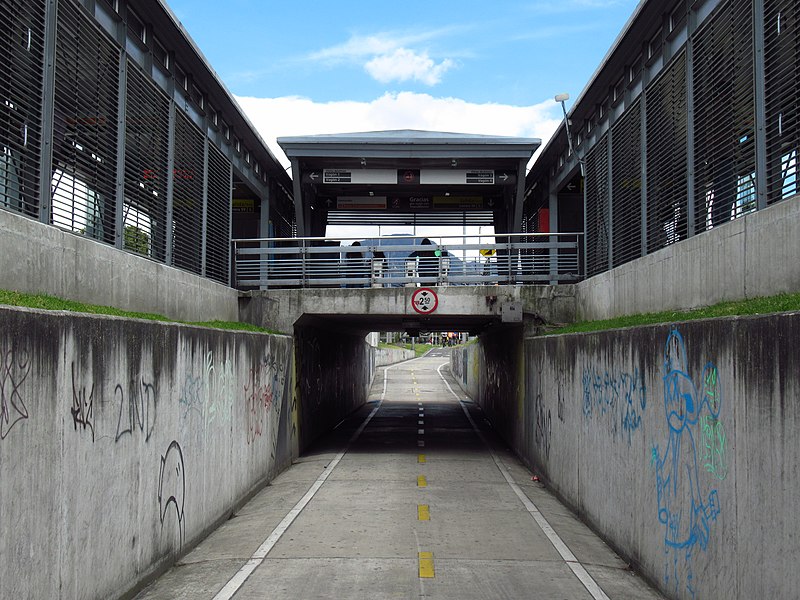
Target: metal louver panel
(218,230)
(724,106)
(782,83)
(626,169)
(597,205)
(187,195)
(667,221)
(21,79)
(282,216)
(85,126)
(146,171)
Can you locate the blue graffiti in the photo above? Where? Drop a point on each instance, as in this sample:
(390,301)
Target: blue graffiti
(683,508)
(619,399)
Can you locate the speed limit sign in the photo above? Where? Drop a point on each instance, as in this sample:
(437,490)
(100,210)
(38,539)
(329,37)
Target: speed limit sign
(424,300)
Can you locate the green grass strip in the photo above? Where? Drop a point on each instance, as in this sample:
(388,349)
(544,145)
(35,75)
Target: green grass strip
(45,302)
(753,306)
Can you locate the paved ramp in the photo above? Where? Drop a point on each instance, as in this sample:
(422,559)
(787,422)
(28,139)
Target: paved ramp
(411,497)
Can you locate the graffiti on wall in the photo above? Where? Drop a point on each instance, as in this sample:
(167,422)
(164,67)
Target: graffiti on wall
(686,507)
(211,393)
(172,490)
(138,410)
(14,369)
(82,406)
(616,399)
(265,384)
(541,432)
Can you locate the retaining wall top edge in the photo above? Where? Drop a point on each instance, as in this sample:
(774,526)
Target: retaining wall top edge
(83,315)
(667,323)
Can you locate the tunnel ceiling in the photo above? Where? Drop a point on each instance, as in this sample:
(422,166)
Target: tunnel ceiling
(363,324)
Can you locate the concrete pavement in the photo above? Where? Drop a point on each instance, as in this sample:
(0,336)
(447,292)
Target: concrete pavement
(419,505)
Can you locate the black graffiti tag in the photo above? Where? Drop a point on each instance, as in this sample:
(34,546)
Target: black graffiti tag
(82,407)
(138,412)
(172,488)
(14,369)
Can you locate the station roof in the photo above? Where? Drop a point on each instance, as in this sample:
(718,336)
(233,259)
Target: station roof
(409,144)
(400,164)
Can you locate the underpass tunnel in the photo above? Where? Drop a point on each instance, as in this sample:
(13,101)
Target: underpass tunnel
(335,364)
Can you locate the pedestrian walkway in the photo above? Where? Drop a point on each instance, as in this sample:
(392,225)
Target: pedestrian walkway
(410,497)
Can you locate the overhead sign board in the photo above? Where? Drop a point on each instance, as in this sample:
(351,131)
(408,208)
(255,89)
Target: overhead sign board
(456,177)
(345,176)
(410,203)
(361,203)
(359,176)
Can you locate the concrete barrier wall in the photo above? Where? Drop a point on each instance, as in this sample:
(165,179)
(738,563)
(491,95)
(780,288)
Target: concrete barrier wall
(757,255)
(390,356)
(38,258)
(677,443)
(123,442)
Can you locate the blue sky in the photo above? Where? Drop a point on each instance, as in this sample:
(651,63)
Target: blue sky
(300,68)
(505,52)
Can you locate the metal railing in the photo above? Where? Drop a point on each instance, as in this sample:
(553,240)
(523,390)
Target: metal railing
(391,261)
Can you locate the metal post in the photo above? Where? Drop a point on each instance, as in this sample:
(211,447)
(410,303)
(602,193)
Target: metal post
(230,219)
(297,189)
(48,112)
(610,195)
(170,179)
(643,152)
(122,107)
(761,105)
(263,228)
(553,227)
(690,182)
(204,227)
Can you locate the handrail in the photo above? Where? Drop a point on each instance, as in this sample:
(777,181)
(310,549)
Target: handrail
(407,260)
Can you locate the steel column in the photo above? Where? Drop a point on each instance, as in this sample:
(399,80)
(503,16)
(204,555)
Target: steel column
(170,180)
(760,104)
(122,102)
(48,112)
(204,225)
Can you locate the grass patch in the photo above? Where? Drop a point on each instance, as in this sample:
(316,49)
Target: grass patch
(419,349)
(753,306)
(45,302)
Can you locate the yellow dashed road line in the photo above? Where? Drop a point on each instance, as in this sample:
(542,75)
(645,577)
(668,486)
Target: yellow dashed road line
(426,565)
(423,512)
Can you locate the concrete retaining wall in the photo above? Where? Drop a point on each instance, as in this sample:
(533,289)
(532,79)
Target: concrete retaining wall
(757,255)
(677,443)
(123,442)
(37,258)
(390,356)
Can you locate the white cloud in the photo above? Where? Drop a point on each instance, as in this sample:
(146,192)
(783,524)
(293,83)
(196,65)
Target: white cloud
(404,65)
(389,56)
(296,116)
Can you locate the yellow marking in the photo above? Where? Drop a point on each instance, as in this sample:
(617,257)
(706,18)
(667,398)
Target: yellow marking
(423,512)
(421,458)
(426,565)
(421,481)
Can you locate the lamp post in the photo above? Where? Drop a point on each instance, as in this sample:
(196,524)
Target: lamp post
(562,98)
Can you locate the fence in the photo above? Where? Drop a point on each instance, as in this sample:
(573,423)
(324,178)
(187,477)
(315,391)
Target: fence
(408,261)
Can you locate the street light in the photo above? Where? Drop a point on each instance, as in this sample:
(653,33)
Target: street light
(563,98)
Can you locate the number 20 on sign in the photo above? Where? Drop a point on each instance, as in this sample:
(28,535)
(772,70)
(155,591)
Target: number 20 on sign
(424,300)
